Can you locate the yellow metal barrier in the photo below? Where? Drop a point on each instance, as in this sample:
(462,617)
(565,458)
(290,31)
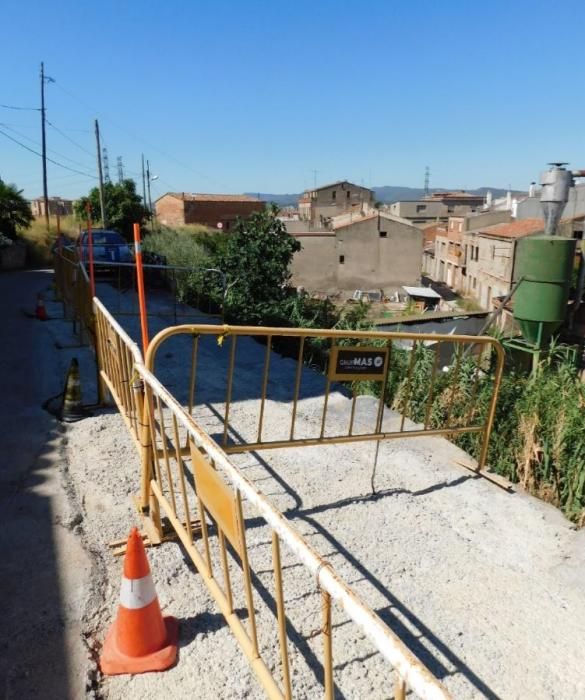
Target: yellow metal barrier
(75,292)
(348,356)
(189,480)
(118,356)
(201,481)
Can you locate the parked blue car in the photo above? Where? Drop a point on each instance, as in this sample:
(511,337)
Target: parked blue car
(108,247)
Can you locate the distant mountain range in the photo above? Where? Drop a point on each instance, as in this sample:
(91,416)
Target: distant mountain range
(385,194)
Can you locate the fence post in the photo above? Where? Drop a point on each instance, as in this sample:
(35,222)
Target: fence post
(90,251)
(140,284)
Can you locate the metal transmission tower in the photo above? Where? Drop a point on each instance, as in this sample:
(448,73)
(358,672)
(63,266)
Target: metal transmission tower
(120,166)
(427,179)
(106,164)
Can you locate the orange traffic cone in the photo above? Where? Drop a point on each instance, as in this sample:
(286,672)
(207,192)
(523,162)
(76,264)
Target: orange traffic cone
(40,311)
(140,640)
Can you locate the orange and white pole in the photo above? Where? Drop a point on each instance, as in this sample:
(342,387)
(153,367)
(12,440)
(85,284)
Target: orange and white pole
(90,251)
(140,285)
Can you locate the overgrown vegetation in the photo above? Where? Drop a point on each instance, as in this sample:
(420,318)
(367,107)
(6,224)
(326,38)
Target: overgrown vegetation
(538,437)
(123,207)
(15,213)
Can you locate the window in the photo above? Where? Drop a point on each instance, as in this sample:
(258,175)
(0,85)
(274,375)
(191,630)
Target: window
(493,253)
(383,234)
(474,282)
(420,207)
(347,194)
(342,259)
(334,194)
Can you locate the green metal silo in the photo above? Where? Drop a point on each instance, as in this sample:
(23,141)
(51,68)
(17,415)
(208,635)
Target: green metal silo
(545,264)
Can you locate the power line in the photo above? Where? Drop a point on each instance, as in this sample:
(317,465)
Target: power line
(60,165)
(36,143)
(135,136)
(25,109)
(69,139)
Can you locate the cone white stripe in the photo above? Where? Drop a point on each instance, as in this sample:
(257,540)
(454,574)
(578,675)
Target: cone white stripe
(137,593)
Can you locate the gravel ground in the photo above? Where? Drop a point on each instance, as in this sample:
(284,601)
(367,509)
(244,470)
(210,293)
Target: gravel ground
(485,586)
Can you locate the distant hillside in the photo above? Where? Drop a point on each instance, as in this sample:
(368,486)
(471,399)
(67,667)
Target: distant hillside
(386,194)
(283,200)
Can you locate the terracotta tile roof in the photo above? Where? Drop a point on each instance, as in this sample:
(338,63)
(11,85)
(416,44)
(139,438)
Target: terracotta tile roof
(197,197)
(514,229)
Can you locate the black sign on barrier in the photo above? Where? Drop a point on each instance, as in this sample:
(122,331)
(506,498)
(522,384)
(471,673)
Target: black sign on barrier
(347,364)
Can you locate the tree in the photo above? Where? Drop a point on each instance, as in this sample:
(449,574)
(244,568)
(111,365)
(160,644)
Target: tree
(15,213)
(256,263)
(123,206)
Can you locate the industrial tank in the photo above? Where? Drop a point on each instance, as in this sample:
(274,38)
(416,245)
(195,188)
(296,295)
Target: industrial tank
(545,263)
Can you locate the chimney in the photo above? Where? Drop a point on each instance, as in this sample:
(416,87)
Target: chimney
(509,200)
(488,199)
(532,189)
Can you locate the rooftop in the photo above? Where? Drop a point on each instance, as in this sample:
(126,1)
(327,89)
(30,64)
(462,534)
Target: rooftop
(514,229)
(334,184)
(458,194)
(425,292)
(198,197)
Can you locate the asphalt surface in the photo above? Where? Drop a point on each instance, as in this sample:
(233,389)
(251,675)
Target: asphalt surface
(43,565)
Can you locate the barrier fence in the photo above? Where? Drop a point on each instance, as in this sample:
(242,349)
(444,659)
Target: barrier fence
(404,370)
(189,485)
(202,494)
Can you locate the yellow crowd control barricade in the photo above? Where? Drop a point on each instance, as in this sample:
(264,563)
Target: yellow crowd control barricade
(216,513)
(246,552)
(118,357)
(435,384)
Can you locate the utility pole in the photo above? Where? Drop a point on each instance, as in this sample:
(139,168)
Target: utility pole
(148,184)
(100,174)
(143,183)
(44,147)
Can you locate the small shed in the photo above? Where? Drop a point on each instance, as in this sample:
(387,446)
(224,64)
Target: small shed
(424,298)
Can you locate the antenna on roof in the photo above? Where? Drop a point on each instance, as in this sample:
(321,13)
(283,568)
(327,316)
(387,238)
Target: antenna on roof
(315,173)
(427,180)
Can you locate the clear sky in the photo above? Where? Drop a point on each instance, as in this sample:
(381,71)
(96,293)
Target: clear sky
(254,96)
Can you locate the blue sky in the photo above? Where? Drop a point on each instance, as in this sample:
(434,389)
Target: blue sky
(253,96)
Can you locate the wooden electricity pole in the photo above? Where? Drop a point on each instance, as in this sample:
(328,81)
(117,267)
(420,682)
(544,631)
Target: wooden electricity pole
(100,174)
(44,147)
(143,184)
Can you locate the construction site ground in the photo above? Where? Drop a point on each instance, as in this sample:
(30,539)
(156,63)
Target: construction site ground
(484,585)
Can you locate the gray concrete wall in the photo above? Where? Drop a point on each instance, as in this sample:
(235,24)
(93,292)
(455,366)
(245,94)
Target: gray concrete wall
(372,261)
(358,257)
(315,265)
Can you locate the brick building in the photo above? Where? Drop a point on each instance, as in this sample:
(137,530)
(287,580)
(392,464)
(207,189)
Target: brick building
(319,205)
(180,208)
(57,206)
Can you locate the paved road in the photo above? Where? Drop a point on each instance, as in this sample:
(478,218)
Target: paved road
(43,568)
